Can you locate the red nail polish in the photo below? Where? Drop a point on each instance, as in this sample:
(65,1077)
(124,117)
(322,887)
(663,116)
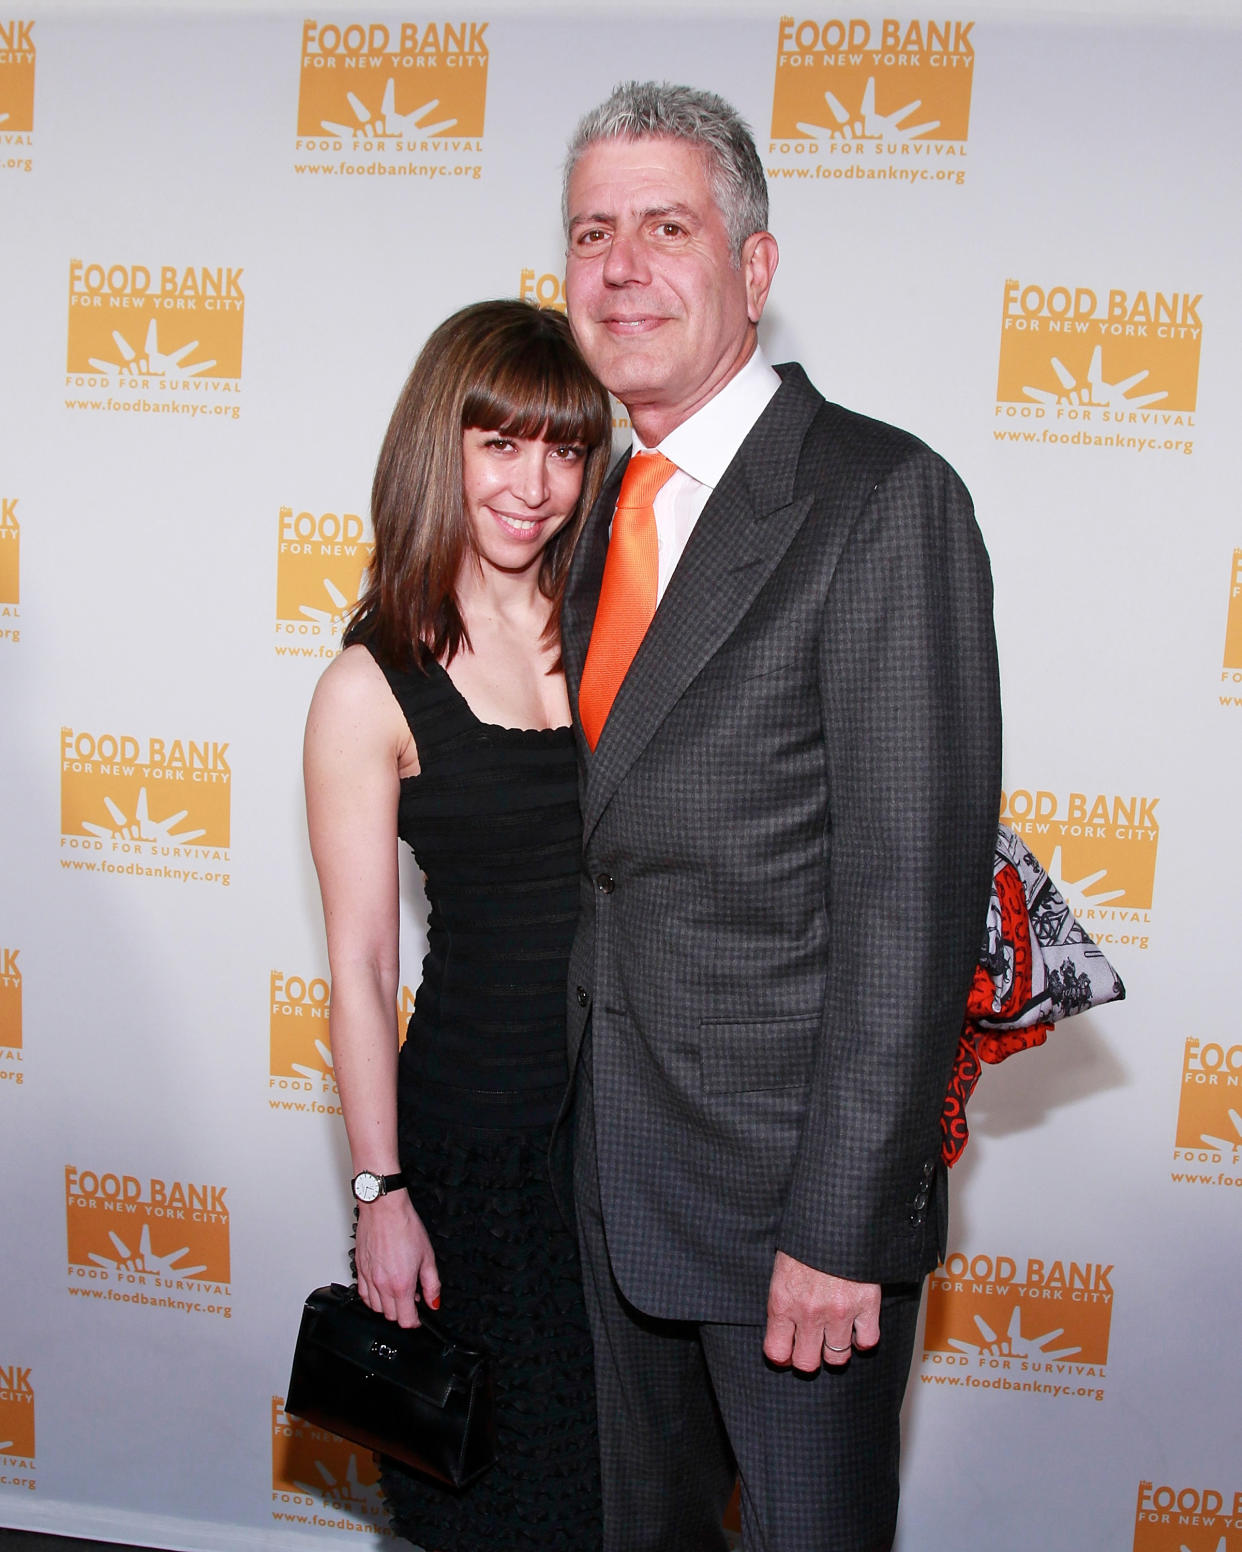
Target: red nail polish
(435,1303)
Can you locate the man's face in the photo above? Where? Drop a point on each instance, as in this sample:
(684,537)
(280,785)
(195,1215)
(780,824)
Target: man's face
(659,310)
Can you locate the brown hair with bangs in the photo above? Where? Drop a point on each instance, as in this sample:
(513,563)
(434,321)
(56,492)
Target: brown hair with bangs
(506,366)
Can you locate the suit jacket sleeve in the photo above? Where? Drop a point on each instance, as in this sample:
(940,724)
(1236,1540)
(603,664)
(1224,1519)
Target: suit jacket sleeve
(910,700)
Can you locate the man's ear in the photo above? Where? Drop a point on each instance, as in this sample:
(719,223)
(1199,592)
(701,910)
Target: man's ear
(760,256)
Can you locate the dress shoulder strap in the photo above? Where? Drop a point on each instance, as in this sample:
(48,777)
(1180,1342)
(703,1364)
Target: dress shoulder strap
(431,706)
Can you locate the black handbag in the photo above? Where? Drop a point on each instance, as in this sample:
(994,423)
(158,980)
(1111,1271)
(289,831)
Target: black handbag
(418,1395)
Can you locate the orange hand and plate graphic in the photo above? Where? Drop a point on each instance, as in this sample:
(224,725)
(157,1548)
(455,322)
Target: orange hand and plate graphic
(298,1029)
(145,1232)
(17,77)
(17,1413)
(392,85)
(1040,1319)
(321,560)
(889,82)
(10,551)
(309,1464)
(1100,851)
(1233,624)
(137,323)
(301,1075)
(1209,1114)
(1110,357)
(143,796)
(10,999)
(406,998)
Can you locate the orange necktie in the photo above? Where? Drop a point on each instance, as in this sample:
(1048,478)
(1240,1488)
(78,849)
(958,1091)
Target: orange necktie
(627,595)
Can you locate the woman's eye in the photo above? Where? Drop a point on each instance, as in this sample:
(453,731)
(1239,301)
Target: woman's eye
(570,454)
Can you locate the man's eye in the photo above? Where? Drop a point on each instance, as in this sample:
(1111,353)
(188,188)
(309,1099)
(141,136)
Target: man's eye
(590,236)
(670,229)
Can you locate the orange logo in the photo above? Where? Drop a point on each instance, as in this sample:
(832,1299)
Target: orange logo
(996,1324)
(1209,1116)
(154,807)
(10,569)
(17,1427)
(1100,852)
(1187,1519)
(321,558)
(1115,369)
(548,289)
(147,1241)
(10,1016)
(10,998)
(163,339)
(310,1464)
(405,1010)
(301,1077)
(17,90)
(375,94)
(1231,669)
(858,98)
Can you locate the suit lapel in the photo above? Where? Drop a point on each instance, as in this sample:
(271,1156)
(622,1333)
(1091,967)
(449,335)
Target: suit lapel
(738,541)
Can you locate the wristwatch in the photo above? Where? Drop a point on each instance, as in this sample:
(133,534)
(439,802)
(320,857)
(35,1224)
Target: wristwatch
(369,1187)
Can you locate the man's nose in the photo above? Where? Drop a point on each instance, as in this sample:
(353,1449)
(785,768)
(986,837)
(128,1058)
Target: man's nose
(626,261)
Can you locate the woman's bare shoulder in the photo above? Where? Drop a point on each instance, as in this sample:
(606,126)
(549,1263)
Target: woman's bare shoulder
(353,694)
(355,717)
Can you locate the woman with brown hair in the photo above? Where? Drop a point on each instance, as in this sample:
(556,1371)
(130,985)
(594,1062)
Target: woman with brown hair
(445,721)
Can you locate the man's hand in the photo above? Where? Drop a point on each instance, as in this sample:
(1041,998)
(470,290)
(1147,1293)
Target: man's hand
(814,1317)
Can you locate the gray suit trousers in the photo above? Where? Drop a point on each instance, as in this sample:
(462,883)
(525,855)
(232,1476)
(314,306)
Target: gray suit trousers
(681,1402)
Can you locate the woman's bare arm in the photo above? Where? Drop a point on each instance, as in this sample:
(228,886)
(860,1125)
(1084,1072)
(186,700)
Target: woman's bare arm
(356,746)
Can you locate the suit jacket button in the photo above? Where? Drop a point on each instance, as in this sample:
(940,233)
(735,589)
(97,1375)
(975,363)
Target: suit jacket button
(929,1170)
(581,994)
(920,1200)
(604,883)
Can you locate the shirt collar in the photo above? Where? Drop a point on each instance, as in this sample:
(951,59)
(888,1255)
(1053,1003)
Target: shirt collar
(704,445)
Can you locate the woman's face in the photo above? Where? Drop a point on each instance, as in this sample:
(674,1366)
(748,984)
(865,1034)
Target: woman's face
(519,492)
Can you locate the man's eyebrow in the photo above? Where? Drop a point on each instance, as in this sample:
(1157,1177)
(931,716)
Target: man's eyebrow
(651,213)
(662,212)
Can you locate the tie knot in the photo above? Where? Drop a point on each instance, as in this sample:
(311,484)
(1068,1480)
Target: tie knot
(644,475)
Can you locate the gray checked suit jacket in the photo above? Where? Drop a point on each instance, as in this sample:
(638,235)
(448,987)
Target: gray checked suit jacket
(788,829)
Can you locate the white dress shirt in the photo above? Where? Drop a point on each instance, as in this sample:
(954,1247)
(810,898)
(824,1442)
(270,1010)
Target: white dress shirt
(703,448)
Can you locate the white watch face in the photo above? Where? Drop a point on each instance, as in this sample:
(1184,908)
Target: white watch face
(366,1186)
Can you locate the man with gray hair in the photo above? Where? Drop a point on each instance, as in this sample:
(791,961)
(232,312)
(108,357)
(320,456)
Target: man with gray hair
(779,645)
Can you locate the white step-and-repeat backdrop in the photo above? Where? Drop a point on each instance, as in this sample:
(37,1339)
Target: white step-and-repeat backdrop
(224,236)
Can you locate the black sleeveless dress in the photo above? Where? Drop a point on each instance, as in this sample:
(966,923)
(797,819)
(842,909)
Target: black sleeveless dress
(492,818)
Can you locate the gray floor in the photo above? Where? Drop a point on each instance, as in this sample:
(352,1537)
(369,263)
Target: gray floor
(33,1541)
